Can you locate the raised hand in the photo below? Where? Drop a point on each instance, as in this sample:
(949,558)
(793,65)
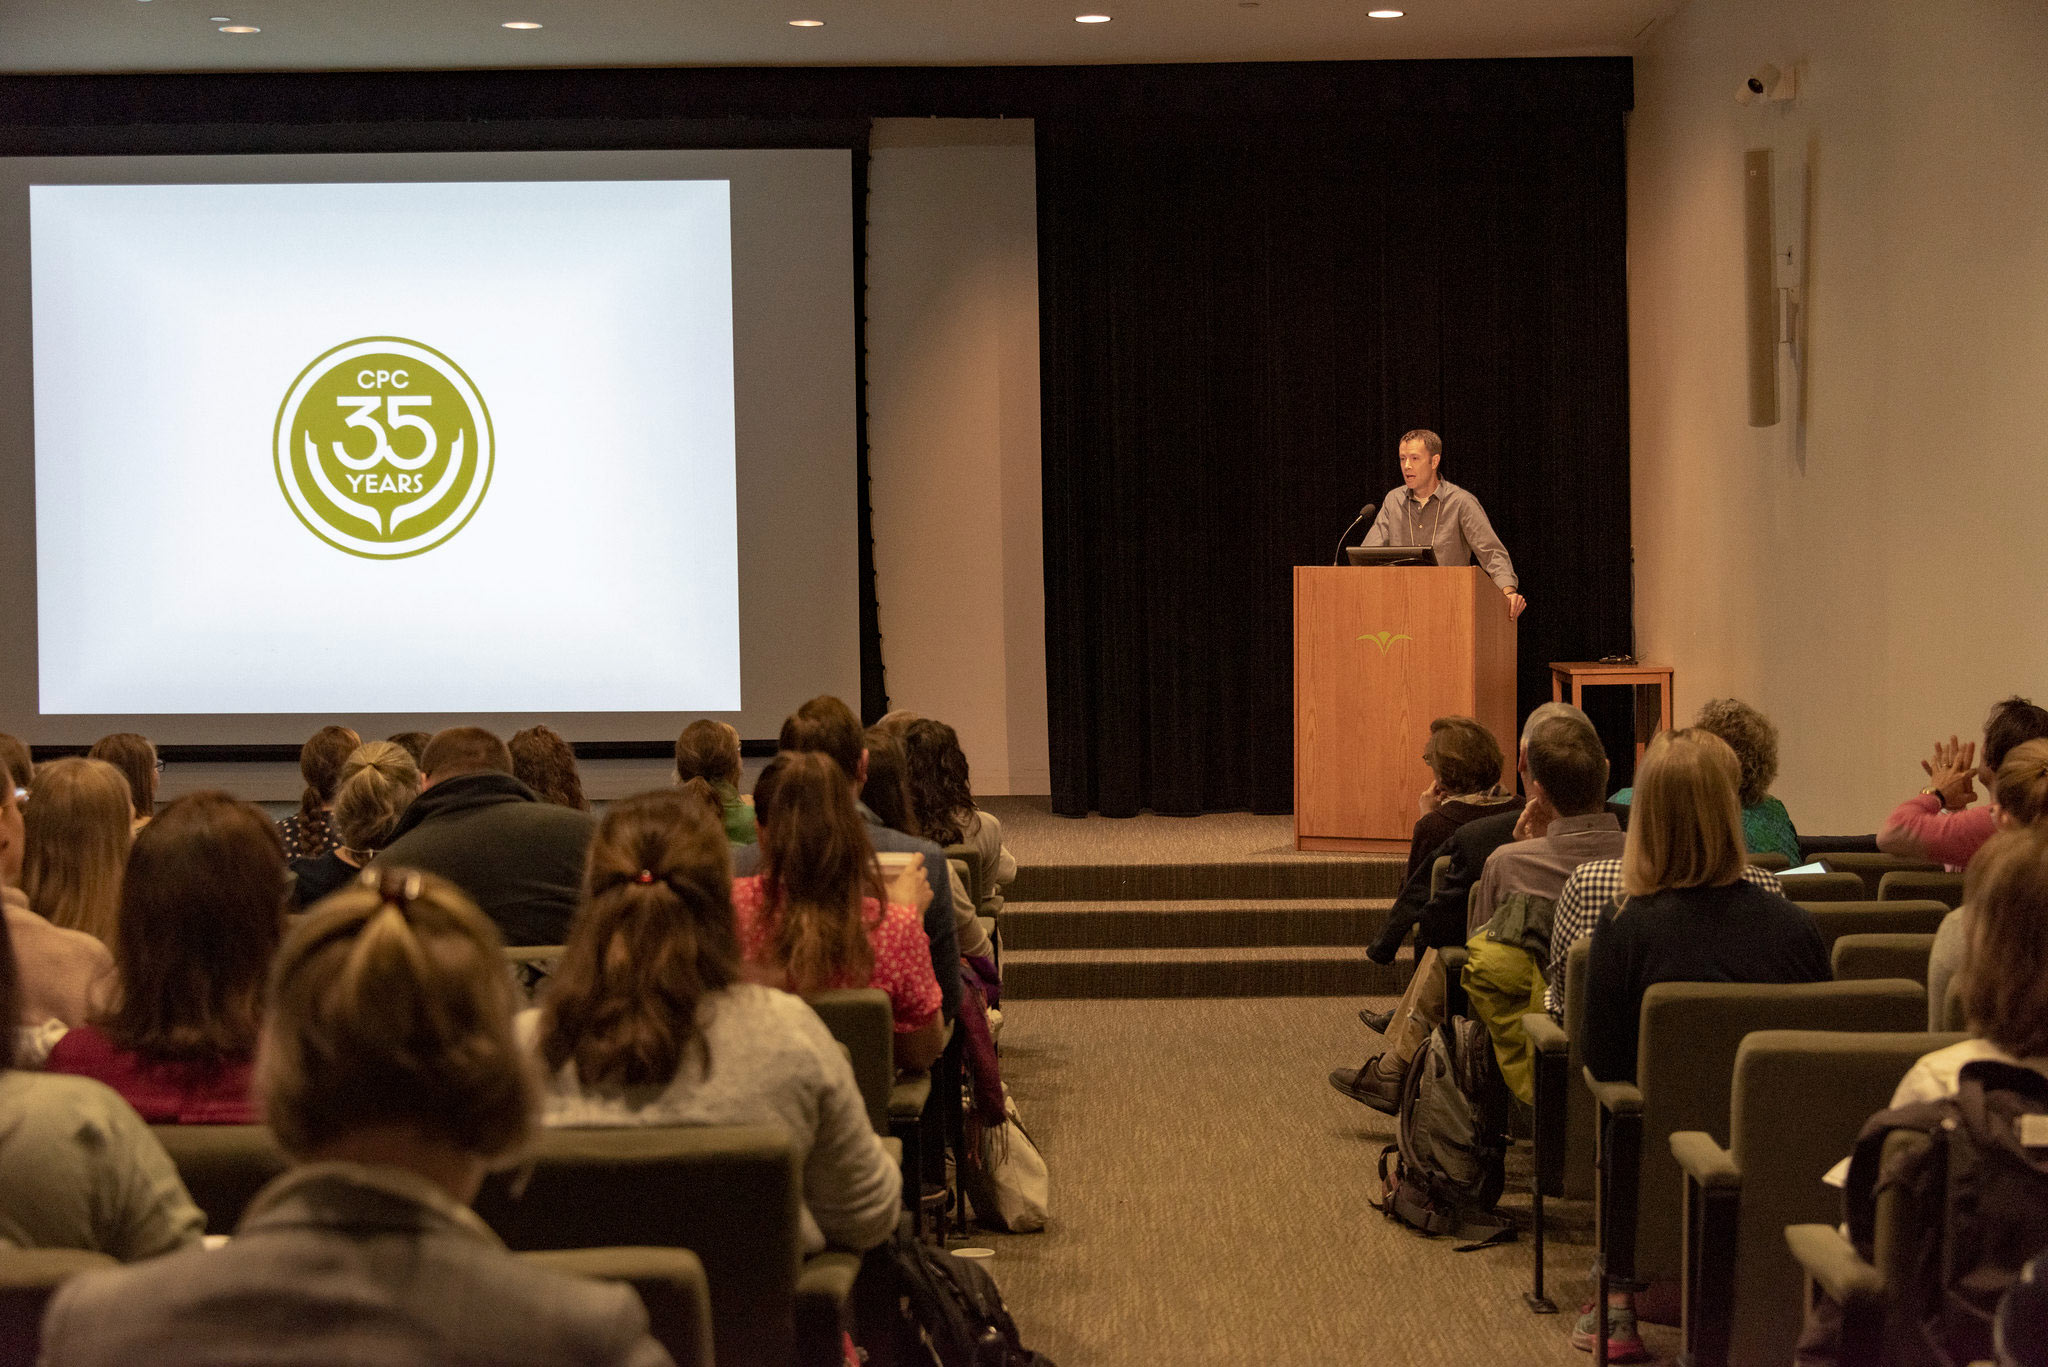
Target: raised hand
(1952,772)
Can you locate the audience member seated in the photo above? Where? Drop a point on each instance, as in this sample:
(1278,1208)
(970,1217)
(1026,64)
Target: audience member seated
(1686,913)
(377,784)
(815,916)
(1440,917)
(136,758)
(710,750)
(1939,823)
(942,802)
(543,761)
(390,1074)
(1516,905)
(2019,798)
(201,912)
(75,845)
(309,832)
(1564,824)
(1766,825)
(518,858)
(646,1021)
(14,753)
(415,743)
(63,976)
(81,1169)
(1464,763)
(1597,885)
(885,792)
(828,726)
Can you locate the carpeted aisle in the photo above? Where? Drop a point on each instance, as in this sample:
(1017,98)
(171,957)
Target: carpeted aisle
(1210,1201)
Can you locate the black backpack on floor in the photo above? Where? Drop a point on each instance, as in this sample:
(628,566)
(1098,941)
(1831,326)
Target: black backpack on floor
(954,1307)
(1446,1169)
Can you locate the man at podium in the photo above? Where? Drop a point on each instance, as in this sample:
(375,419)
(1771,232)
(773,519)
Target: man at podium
(1428,511)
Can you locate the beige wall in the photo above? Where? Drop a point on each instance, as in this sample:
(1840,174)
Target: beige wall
(952,395)
(1876,577)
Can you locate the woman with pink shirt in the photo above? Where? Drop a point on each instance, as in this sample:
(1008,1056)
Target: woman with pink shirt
(1938,822)
(815,916)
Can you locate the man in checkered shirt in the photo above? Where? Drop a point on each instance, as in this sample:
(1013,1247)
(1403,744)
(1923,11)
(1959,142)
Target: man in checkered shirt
(1587,893)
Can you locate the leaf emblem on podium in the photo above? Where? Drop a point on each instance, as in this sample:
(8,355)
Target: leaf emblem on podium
(1384,639)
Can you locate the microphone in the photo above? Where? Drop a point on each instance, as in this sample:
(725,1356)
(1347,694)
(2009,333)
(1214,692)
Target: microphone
(1363,513)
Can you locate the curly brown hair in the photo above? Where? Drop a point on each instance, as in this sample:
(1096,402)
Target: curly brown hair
(543,761)
(1751,736)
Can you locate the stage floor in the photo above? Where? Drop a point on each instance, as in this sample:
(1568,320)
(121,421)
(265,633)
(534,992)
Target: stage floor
(1037,837)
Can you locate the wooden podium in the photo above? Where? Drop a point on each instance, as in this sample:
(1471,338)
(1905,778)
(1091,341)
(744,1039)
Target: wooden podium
(1380,651)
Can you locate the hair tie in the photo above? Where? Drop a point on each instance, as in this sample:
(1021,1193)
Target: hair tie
(646,876)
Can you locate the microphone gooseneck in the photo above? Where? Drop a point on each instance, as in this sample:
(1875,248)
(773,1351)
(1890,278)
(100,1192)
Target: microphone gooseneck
(1363,513)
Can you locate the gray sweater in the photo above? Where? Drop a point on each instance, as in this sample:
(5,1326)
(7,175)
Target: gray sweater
(772,1062)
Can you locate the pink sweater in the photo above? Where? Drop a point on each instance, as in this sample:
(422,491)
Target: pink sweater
(1918,829)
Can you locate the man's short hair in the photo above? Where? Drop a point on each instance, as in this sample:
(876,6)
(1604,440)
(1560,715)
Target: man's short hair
(1431,442)
(1546,711)
(2014,721)
(464,750)
(826,725)
(1566,757)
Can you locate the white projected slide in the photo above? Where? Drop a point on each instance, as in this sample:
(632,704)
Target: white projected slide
(407,447)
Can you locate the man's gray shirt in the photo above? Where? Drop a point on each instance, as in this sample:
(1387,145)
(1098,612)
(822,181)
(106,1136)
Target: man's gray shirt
(1451,522)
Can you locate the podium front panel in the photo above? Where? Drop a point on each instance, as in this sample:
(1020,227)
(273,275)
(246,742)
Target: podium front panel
(1379,652)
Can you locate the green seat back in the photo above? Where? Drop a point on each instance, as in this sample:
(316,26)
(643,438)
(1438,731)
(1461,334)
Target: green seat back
(728,1193)
(1685,1066)
(1799,1099)
(224,1166)
(1836,919)
(859,1018)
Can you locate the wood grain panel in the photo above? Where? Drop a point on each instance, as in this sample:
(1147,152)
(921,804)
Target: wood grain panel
(1378,653)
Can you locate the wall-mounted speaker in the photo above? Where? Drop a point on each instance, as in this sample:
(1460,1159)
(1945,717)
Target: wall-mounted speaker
(1760,286)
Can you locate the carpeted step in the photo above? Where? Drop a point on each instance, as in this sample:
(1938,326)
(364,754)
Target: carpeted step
(1272,971)
(1361,877)
(1204,923)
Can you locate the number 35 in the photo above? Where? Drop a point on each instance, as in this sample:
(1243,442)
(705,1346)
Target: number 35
(365,406)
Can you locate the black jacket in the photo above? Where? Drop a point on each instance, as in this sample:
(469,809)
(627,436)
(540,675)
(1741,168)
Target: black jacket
(518,858)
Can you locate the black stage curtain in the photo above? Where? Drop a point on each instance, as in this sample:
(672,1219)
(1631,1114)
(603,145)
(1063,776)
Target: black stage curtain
(1239,319)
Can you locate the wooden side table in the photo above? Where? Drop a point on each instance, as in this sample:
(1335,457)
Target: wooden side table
(1584,674)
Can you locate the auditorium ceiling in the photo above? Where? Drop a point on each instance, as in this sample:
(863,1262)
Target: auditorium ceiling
(186,35)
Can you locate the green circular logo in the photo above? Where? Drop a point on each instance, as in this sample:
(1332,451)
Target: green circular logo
(383,448)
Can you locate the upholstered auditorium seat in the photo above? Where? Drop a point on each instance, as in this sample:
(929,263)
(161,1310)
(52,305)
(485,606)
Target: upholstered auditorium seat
(1685,1066)
(1882,956)
(670,1283)
(1798,1100)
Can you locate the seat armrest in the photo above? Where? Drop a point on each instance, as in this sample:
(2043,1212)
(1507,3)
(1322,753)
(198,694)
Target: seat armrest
(1704,1162)
(908,1096)
(1834,1268)
(1834,1265)
(1453,958)
(824,1295)
(1546,1036)
(1615,1098)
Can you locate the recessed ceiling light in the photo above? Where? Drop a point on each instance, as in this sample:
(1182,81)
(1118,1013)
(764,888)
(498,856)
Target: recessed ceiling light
(1383,13)
(521,24)
(1091,18)
(220,19)
(240,28)
(807,23)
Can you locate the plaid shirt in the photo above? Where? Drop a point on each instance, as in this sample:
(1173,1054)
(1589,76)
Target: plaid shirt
(1588,892)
